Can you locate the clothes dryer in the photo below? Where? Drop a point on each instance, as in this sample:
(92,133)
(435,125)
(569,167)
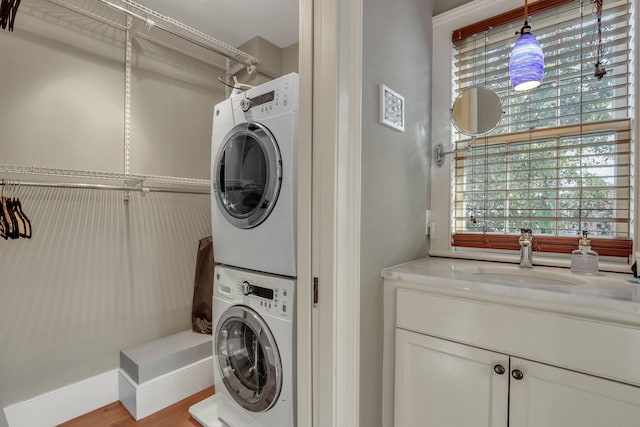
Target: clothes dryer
(253,348)
(253,174)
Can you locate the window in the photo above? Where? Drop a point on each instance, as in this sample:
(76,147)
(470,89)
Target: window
(559,162)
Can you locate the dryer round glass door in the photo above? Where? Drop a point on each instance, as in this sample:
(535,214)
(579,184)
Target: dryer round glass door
(248,358)
(247,175)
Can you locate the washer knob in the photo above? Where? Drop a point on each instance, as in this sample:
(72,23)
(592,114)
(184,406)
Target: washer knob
(247,289)
(245,104)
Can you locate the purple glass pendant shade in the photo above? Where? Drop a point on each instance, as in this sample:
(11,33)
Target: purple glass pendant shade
(526,65)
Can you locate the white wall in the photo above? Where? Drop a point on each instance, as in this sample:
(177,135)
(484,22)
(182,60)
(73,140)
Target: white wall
(395,168)
(99,274)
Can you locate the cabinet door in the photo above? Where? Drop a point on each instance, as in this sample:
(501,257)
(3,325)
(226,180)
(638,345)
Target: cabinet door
(552,397)
(439,383)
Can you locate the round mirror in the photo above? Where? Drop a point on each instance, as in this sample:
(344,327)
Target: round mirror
(476,111)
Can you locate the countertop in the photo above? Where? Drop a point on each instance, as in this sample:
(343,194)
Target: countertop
(612,297)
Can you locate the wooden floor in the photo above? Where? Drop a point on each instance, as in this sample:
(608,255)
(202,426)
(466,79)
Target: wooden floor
(116,415)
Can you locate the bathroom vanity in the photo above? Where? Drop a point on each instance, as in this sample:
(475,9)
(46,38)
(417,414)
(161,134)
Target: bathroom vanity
(469,343)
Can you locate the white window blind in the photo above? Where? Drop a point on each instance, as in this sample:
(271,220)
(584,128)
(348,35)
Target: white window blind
(559,161)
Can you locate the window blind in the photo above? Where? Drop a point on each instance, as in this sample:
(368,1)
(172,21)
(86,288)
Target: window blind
(559,161)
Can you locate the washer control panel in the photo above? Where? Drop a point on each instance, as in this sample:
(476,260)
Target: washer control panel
(264,293)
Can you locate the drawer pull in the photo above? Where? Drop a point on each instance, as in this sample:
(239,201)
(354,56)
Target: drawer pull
(499,369)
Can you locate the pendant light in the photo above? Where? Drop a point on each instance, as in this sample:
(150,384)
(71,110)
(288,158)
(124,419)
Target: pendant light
(526,64)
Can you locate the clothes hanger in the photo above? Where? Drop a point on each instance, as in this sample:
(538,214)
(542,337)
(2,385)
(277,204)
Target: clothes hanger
(20,224)
(10,219)
(5,10)
(4,225)
(14,231)
(14,12)
(27,221)
(26,232)
(8,12)
(18,228)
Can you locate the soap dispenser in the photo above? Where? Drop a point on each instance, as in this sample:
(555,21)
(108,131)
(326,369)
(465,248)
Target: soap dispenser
(583,259)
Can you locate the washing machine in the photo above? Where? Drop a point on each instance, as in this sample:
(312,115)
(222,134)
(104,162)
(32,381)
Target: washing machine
(254,345)
(253,174)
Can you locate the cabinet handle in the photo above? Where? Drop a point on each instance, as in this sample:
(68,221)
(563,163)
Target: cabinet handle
(499,369)
(517,374)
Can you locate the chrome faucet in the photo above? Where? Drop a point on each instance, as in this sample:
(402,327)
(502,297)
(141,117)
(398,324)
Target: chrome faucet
(526,248)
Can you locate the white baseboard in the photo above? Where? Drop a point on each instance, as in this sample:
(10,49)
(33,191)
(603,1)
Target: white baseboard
(65,403)
(71,401)
(142,400)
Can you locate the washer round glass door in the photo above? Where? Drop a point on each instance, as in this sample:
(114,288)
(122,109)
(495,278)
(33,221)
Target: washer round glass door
(248,358)
(248,175)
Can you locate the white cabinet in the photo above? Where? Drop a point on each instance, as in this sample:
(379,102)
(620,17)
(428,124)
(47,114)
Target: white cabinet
(547,396)
(446,384)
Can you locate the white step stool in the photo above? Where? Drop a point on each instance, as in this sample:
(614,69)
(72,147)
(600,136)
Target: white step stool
(160,373)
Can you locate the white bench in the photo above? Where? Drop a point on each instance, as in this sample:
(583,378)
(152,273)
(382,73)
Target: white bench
(160,373)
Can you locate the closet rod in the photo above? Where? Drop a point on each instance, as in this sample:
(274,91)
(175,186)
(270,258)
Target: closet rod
(15,183)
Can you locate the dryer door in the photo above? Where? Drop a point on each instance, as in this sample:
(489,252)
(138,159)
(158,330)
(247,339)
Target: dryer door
(247,175)
(248,358)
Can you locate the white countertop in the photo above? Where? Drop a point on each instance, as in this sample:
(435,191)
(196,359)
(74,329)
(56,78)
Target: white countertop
(603,296)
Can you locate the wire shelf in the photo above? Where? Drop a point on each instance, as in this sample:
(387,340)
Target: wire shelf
(110,19)
(148,24)
(131,180)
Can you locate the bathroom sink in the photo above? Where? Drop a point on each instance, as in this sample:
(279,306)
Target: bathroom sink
(520,276)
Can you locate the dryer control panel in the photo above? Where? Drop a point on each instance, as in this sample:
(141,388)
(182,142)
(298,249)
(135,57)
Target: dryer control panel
(275,97)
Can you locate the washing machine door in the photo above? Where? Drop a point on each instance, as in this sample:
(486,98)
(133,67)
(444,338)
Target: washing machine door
(248,358)
(247,175)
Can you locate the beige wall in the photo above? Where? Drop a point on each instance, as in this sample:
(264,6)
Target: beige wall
(274,61)
(395,169)
(290,58)
(99,274)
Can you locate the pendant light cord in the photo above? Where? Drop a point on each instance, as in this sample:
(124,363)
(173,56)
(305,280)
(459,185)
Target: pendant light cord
(526,28)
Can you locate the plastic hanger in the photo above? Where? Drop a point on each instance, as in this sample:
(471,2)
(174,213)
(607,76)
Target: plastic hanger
(15,233)
(6,229)
(14,12)
(3,226)
(8,12)
(27,222)
(3,222)
(20,223)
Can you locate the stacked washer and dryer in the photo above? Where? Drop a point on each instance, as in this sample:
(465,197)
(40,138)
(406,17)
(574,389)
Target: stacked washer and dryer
(253,209)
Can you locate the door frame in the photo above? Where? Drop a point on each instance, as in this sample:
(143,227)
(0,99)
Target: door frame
(329,212)
(304,291)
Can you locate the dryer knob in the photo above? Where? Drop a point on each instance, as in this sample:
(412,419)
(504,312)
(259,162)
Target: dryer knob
(245,104)
(247,289)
